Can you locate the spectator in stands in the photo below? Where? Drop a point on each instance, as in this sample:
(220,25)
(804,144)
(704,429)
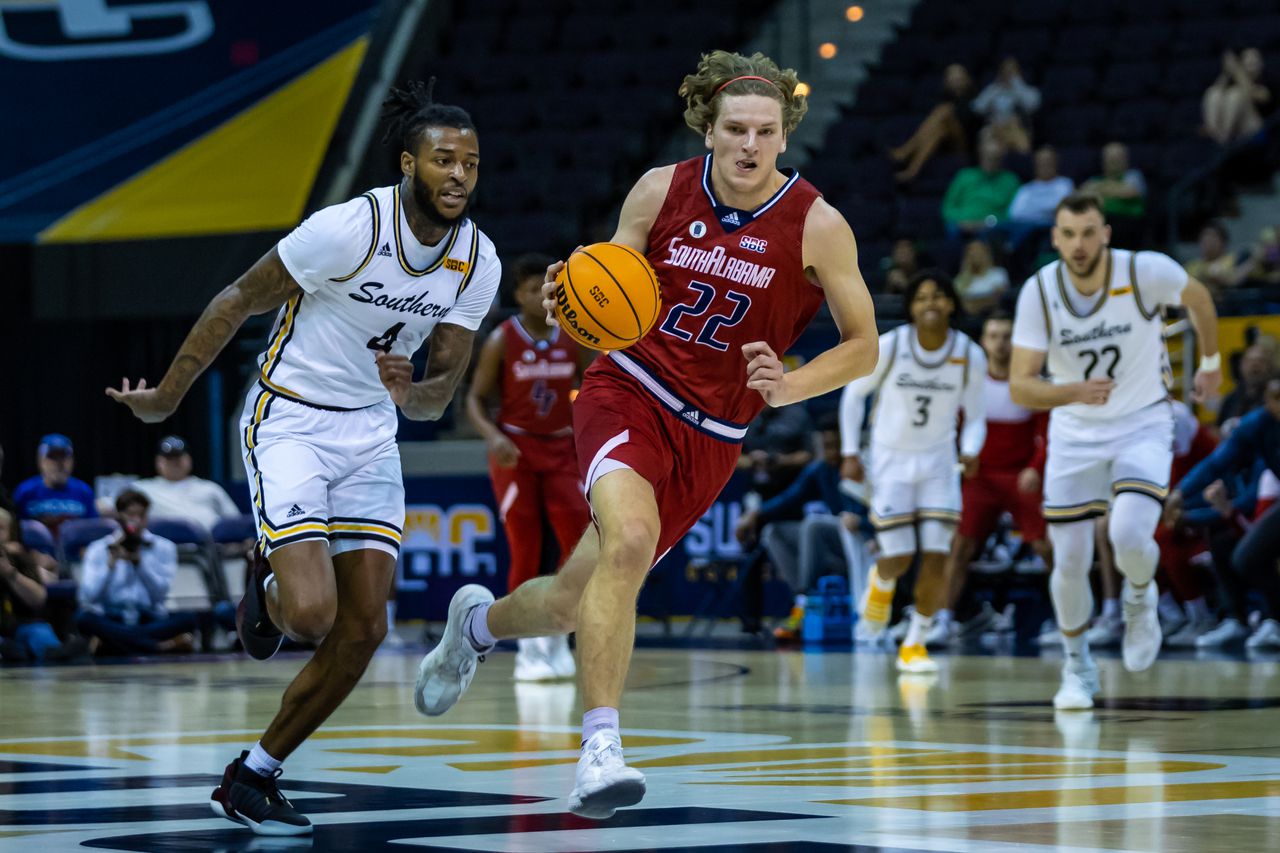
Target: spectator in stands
(6,499)
(175,493)
(1256,438)
(25,633)
(1006,105)
(776,447)
(902,263)
(1262,268)
(980,282)
(1216,265)
(1257,367)
(1035,201)
(804,544)
(1124,194)
(1234,106)
(952,123)
(124,582)
(54,495)
(979,196)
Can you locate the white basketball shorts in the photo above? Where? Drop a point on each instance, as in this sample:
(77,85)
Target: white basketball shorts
(322,474)
(911,486)
(1082,477)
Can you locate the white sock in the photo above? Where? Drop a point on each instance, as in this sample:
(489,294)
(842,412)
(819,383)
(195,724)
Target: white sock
(260,762)
(1076,648)
(1198,609)
(920,626)
(943,616)
(1111,608)
(599,719)
(476,628)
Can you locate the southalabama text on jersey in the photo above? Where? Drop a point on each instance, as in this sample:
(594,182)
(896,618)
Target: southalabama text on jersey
(717,263)
(1102,330)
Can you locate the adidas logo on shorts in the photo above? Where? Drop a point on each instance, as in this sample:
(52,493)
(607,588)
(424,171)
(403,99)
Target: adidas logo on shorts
(294,511)
(385,251)
(692,416)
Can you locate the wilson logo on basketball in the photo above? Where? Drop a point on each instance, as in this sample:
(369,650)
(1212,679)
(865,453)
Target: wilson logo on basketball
(570,316)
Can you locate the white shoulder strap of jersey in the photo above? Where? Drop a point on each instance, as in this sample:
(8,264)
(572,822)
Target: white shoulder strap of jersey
(1044,306)
(1133,282)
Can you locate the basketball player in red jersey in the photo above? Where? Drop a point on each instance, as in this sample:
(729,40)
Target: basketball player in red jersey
(533,369)
(744,254)
(1010,469)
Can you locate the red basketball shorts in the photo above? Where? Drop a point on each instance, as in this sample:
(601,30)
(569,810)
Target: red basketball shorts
(619,423)
(992,493)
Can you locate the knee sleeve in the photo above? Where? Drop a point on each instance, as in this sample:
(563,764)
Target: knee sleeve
(1069,583)
(1132,532)
(935,536)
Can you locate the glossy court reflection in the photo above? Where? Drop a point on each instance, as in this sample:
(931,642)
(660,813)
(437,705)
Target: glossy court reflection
(750,751)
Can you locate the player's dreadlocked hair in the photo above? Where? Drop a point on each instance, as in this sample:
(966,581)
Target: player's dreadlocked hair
(410,111)
(723,73)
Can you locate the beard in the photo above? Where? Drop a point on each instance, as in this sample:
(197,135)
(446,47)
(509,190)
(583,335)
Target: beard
(427,205)
(1091,264)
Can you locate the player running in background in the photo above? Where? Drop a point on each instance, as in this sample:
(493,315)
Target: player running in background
(658,426)
(927,374)
(359,287)
(533,369)
(1093,318)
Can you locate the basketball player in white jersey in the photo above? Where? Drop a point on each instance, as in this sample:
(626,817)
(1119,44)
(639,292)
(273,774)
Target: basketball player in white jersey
(1093,318)
(927,373)
(359,287)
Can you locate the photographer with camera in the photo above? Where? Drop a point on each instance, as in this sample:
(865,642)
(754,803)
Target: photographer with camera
(124,583)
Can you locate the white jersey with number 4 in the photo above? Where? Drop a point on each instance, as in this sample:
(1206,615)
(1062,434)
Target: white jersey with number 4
(1116,333)
(919,393)
(369,286)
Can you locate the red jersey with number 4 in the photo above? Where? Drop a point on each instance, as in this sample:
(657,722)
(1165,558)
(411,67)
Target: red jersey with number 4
(725,284)
(538,377)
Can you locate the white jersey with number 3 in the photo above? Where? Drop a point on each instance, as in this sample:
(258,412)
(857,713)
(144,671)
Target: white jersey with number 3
(1116,334)
(919,394)
(369,286)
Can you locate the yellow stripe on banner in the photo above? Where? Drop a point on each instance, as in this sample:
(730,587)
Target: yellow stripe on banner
(251,173)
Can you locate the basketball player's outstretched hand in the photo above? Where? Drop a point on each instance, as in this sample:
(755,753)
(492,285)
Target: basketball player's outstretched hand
(146,403)
(764,373)
(549,292)
(1095,392)
(396,374)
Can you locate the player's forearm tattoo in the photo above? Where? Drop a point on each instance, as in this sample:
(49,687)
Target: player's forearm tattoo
(450,354)
(265,286)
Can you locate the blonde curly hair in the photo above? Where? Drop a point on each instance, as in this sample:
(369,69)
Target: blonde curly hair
(702,88)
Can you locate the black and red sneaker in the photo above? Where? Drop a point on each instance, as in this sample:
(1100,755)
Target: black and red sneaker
(259,636)
(255,800)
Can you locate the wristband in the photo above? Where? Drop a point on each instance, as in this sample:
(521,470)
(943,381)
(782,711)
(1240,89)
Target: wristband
(1211,363)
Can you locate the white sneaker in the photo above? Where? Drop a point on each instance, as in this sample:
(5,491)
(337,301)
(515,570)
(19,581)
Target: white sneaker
(1266,637)
(604,783)
(1141,628)
(560,657)
(1189,633)
(1105,631)
(446,672)
(941,633)
(393,640)
(1079,685)
(1228,631)
(532,662)
(1049,637)
(867,633)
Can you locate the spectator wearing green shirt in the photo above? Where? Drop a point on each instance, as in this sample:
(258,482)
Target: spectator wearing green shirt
(1124,194)
(978,198)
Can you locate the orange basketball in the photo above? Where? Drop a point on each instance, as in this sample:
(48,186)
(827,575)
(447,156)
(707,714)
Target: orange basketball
(607,296)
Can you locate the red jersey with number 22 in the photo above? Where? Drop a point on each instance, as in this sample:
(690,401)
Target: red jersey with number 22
(725,285)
